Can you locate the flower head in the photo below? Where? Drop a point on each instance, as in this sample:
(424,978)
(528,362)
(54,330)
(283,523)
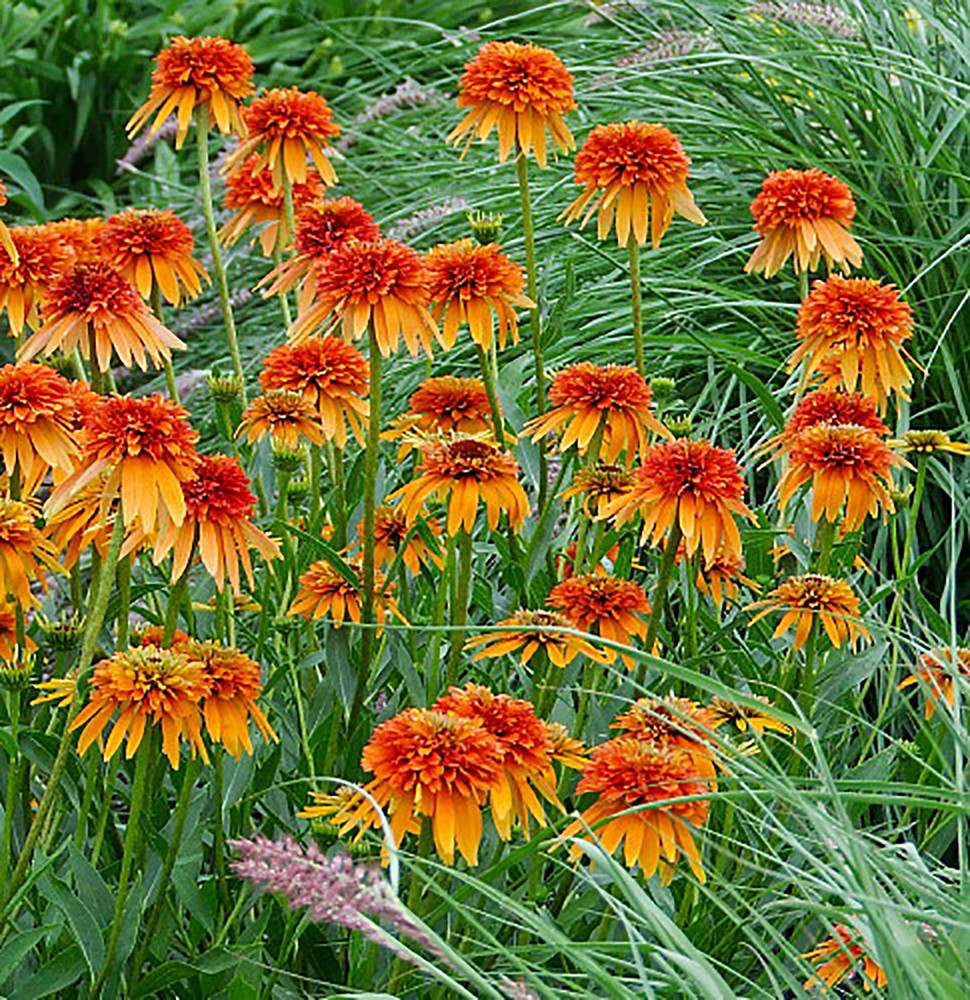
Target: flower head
(427,763)
(9,649)
(24,551)
(696,483)
(95,302)
(640,172)
(286,416)
(289,124)
(40,257)
(152,248)
(802,598)
(626,773)
(443,406)
(145,686)
(467,470)
(937,671)
(197,71)
(531,631)
(928,443)
(80,237)
(864,325)
(6,242)
(721,575)
(586,397)
(609,603)
(673,721)
(600,483)
(329,374)
(475,284)
(839,958)
(393,534)
(523,90)
(384,283)
(744,717)
(323,590)
(805,212)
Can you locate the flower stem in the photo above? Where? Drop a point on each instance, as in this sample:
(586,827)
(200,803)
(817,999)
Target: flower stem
(803,285)
(660,593)
(824,539)
(284,299)
(532,284)
(14,774)
(222,284)
(459,610)
(124,601)
(90,780)
(104,811)
(315,473)
(155,300)
(338,508)
(219,836)
(488,377)
(634,251)
(175,598)
(437,620)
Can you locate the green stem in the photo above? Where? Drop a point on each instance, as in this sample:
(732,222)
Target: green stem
(301,720)
(13,785)
(219,836)
(218,268)
(805,684)
(914,507)
(660,593)
(175,598)
(401,968)
(143,760)
(101,824)
(437,620)
(532,285)
(97,376)
(315,472)
(459,610)
(90,781)
(803,285)
(824,540)
(124,601)
(338,507)
(488,377)
(284,299)
(634,251)
(155,300)
(287,237)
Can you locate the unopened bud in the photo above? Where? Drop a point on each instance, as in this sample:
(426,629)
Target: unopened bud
(62,634)
(485,226)
(225,388)
(680,426)
(288,460)
(662,388)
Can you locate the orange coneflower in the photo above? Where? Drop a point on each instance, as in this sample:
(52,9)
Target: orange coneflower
(425,763)
(694,482)
(81,237)
(531,631)
(330,374)
(601,483)
(806,213)
(24,551)
(721,575)
(475,284)
(467,470)
(642,172)
(321,227)
(626,773)
(527,750)
(745,717)
(146,686)
(441,406)
(145,448)
(382,282)
(251,194)
(289,124)
(324,589)
(841,956)
(801,598)
(285,415)
(927,442)
(41,256)
(9,647)
(393,534)
(586,397)
(520,89)
(6,242)
(846,464)
(863,324)
(610,603)
(937,672)
(58,691)
(232,682)
(218,508)
(37,416)
(151,635)
(197,71)
(150,248)
(94,302)
(82,522)
(673,721)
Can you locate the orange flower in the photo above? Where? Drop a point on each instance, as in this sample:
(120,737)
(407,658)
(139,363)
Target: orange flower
(694,482)
(627,773)
(321,227)
(324,589)
(146,686)
(745,718)
(805,212)
(471,282)
(425,763)
(232,682)
(928,442)
(937,674)
(285,415)
(151,635)
(37,414)
(864,324)
(81,237)
(251,194)
(41,256)
(151,248)
(601,483)
(146,449)
(442,406)
(384,283)
(197,71)
(330,374)
(527,751)
(587,396)
(95,302)
(289,124)
(721,575)
(841,957)
(81,522)
(467,470)
(24,551)
(392,531)
(6,242)
(523,90)
(608,602)
(218,508)
(531,631)
(9,650)
(801,598)
(845,463)
(641,171)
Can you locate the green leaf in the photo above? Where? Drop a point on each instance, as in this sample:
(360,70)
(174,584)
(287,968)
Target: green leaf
(87,930)
(767,397)
(65,968)
(18,947)
(16,168)
(163,976)
(91,887)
